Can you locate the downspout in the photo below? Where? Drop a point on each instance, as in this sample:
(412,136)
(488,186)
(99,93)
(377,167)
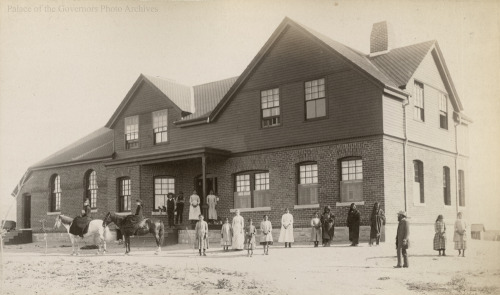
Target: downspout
(405,143)
(457,154)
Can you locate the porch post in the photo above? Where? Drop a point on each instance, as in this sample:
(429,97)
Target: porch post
(203,175)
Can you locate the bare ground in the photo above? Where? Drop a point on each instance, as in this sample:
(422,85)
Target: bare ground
(302,269)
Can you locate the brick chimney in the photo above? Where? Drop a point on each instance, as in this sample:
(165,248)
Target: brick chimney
(381,39)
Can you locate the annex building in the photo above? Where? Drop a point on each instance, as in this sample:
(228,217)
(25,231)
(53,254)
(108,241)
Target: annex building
(310,122)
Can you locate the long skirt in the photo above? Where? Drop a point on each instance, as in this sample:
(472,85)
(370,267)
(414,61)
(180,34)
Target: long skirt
(461,245)
(439,241)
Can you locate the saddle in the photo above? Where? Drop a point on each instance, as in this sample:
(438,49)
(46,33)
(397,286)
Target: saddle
(80,226)
(134,225)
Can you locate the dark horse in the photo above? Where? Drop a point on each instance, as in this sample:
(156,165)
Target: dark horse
(146,226)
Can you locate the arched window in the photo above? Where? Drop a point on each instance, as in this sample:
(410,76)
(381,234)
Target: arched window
(418,184)
(461,188)
(446,186)
(124,194)
(55,193)
(91,188)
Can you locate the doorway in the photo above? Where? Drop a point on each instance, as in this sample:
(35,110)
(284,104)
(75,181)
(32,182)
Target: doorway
(211,182)
(27,211)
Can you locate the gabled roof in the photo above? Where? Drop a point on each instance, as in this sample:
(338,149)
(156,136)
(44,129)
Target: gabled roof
(400,64)
(96,145)
(177,93)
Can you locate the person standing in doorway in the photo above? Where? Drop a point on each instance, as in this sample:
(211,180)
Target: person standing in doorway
(194,207)
(170,209)
(286,233)
(460,235)
(377,219)
(402,239)
(179,208)
(212,202)
(353,221)
(440,235)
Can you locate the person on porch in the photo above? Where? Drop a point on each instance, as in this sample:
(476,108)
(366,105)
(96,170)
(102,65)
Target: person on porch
(170,209)
(212,202)
(194,207)
(179,209)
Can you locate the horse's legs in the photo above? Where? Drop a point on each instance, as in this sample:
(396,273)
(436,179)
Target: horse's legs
(127,244)
(72,239)
(97,241)
(157,238)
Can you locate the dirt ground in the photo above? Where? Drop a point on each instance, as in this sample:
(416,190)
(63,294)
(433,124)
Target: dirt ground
(302,269)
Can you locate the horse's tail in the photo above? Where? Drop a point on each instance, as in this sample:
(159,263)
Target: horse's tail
(161,232)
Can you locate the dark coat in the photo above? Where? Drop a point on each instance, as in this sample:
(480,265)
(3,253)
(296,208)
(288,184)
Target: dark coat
(353,221)
(403,234)
(377,219)
(328,225)
(138,211)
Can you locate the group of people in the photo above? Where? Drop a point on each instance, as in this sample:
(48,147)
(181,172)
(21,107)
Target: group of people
(459,235)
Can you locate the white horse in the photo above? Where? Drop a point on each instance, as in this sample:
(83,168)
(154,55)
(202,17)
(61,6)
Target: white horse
(96,229)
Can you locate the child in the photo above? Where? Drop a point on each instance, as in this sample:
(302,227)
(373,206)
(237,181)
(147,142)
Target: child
(201,232)
(250,237)
(226,235)
(267,234)
(316,229)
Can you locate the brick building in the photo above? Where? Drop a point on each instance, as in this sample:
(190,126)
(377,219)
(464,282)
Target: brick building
(309,123)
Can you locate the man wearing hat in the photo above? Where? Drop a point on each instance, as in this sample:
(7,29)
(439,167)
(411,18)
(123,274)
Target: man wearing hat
(138,211)
(402,239)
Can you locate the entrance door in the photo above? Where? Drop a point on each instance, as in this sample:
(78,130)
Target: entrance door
(211,182)
(27,211)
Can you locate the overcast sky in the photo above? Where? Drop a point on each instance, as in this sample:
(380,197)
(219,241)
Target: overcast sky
(66,65)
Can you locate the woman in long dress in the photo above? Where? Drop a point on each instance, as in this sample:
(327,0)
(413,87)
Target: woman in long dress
(377,219)
(460,235)
(440,235)
(212,202)
(328,226)
(353,221)
(315,229)
(267,234)
(225,235)
(194,206)
(286,233)
(238,235)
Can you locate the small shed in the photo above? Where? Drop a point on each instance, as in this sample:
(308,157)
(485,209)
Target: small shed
(477,231)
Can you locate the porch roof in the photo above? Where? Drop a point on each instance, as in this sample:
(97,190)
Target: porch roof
(184,154)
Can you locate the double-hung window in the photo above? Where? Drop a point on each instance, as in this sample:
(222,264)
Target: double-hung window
(132,132)
(418,111)
(351,183)
(461,188)
(55,191)
(308,184)
(418,183)
(315,98)
(252,190)
(91,189)
(160,124)
(443,111)
(163,186)
(270,106)
(446,186)
(124,194)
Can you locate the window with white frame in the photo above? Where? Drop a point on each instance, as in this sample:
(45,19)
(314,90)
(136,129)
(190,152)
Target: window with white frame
(124,194)
(308,186)
(315,98)
(160,124)
(446,186)
(91,188)
(163,186)
(132,132)
(270,106)
(252,190)
(351,183)
(443,111)
(418,183)
(55,192)
(418,111)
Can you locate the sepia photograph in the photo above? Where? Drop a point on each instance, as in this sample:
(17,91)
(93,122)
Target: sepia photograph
(249,147)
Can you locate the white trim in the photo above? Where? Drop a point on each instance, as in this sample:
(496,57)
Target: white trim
(251,209)
(346,204)
(124,213)
(306,206)
(54,213)
(159,213)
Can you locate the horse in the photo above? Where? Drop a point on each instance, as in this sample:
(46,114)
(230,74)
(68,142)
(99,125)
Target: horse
(95,229)
(154,227)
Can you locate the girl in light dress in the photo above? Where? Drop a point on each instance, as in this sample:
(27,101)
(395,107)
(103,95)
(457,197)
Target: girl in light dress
(250,233)
(267,234)
(226,235)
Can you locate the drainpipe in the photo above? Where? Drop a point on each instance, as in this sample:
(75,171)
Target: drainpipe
(405,143)
(457,154)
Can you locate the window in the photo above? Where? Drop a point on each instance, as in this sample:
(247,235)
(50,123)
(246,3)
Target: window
(132,132)
(163,186)
(160,124)
(418,184)
(308,184)
(91,188)
(55,194)
(461,188)
(446,186)
(252,190)
(418,112)
(351,184)
(443,111)
(124,195)
(270,105)
(315,99)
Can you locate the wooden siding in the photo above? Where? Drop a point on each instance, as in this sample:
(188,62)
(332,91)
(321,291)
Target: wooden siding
(393,116)
(354,106)
(429,132)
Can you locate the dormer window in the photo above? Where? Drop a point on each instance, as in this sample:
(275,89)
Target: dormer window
(132,132)
(315,99)
(160,124)
(270,104)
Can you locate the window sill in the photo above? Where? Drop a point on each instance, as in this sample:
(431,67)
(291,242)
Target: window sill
(159,213)
(419,204)
(123,213)
(54,213)
(257,209)
(308,206)
(347,204)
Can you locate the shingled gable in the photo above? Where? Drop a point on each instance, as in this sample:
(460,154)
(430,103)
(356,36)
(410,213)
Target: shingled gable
(179,95)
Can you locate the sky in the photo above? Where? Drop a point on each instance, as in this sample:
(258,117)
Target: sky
(65,65)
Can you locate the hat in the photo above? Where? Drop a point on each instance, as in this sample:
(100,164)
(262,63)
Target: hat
(86,202)
(139,200)
(402,213)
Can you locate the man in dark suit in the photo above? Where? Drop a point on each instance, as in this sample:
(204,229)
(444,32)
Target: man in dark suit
(402,239)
